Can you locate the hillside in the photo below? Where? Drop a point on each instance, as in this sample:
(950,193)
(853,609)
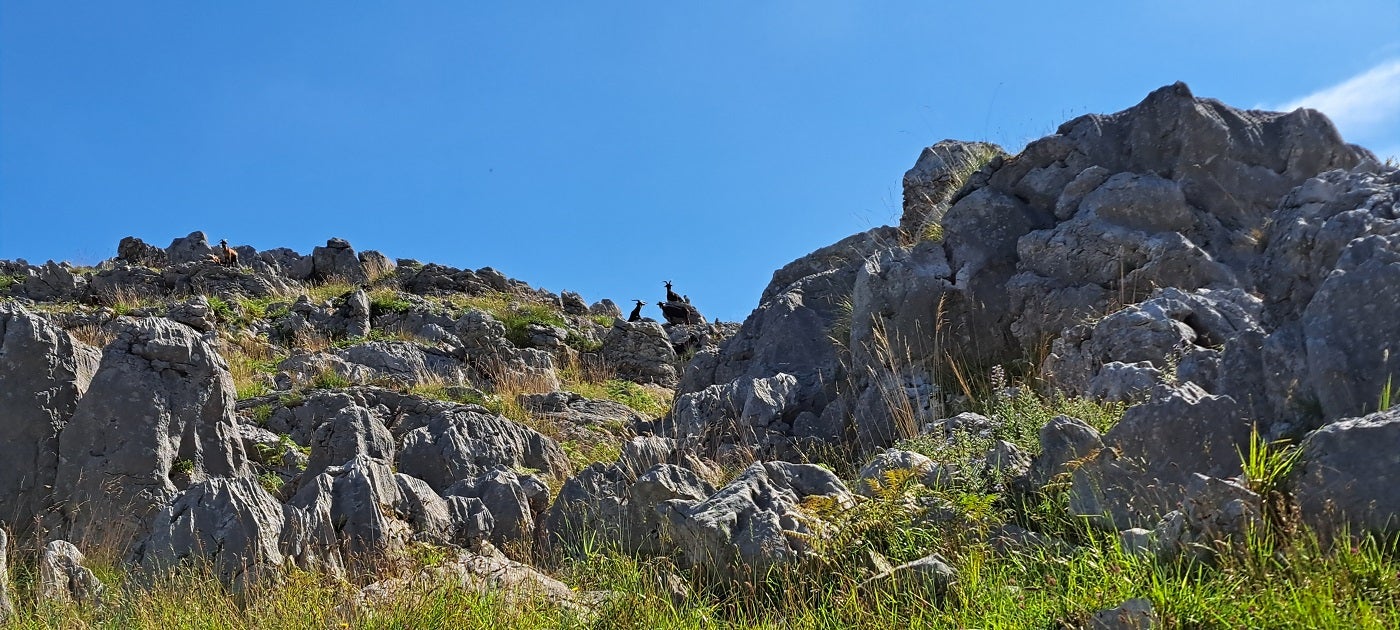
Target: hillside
(1137,375)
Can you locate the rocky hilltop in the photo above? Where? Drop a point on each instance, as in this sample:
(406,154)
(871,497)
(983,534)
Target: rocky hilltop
(1118,320)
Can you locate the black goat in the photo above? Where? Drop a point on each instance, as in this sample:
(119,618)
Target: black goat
(636,315)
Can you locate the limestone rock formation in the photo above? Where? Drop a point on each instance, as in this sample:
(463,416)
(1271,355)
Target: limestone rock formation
(43,374)
(159,412)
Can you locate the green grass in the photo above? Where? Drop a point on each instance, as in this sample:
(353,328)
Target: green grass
(649,403)
(386,300)
(330,379)
(7,281)
(1304,586)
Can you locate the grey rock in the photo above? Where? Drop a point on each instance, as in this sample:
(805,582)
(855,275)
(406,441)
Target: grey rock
(1134,614)
(137,252)
(573,303)
(751,409)
(450,443)
(375,264)
(875,472)
(936,175)
(1138,541)
(1351,337)
(930,574)
(1347,476)
(43,373)
(374,511)
(349,432)
(605,308)
(489,574)
(1126,383)
(513,502)
(356,313)
(337,261)
(1064,443)
(641,352)
(1006,461)
(188,249)
(403,362)
(162,395)
(472,523)
(613,506)
(235,526)
(1159,331)
(194,312)
(63,578)
(1216,515)
(1156,451)
(753,523)
(7,605)
(53,282)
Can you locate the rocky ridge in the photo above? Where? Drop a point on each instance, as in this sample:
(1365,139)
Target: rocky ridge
(1224,277)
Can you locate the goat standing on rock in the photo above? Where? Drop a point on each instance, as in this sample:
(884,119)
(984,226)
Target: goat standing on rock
(636,315)
(226,254)
(677,309)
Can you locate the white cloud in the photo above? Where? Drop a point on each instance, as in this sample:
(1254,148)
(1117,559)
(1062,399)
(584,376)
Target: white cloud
(1367,102)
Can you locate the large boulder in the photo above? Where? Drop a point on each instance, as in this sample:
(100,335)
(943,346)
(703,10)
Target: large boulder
(1348,475)
(374,511)
(43,374)
(444,444)
(641,352)
(238,528)
(754,523)
(159,410)
(337,261)
(188,249)
(1151,457)
(63,579)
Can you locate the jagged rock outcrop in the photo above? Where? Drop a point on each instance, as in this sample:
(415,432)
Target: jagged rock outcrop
(513,502)
(43,374)
(938,173)
(374,511)
(616,505)
(243,532)
(159,411)
(641,352)
(752,524)
(443,444)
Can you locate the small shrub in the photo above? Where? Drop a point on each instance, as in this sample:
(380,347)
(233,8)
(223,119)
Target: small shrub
(222,310)
(271,482)
(261,414)
(182,467)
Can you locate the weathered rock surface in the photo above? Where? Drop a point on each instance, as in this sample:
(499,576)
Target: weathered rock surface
(936,175)
(7,605)
(159,410)
(641,352)
(752,524)
(43,373)
(1154,453)
(930,574)
(1348,475)
(239,529)
(64,579)
(373,510)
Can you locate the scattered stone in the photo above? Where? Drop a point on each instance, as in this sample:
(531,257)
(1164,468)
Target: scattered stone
(63,578)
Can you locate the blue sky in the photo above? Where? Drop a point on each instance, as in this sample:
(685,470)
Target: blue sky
(598,147)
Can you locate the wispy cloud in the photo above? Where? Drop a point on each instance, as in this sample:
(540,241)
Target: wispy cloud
(1367,102)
